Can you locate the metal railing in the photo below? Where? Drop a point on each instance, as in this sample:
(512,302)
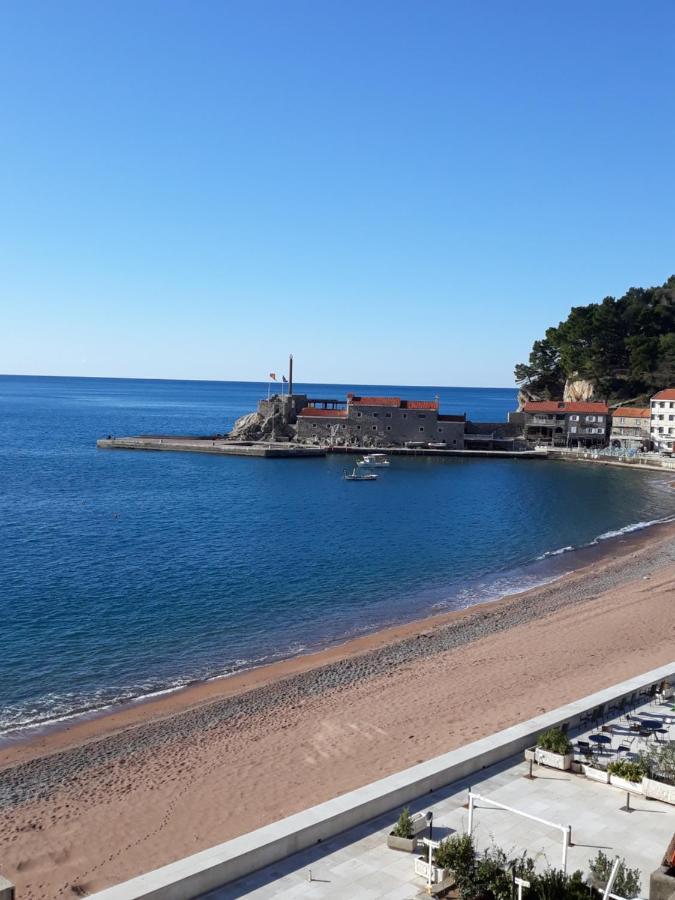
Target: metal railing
(566,829)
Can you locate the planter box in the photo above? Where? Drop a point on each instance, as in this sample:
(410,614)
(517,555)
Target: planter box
(553,760)
(408,845)
(635,787)
(596,774)
(658,790)
(422,868)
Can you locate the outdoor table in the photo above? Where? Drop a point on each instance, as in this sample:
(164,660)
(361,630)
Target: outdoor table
(600,738)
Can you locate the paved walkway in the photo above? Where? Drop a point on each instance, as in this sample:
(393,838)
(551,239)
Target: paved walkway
(359,866)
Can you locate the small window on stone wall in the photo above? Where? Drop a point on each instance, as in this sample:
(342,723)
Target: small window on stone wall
(374,427)
(421,427)
(388,427)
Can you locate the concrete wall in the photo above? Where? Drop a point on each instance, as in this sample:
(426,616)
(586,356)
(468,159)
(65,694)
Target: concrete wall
(392,426)
(6,889)
(195,875)
(319,428)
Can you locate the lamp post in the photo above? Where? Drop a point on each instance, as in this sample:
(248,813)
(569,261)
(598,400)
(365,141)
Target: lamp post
(430,822)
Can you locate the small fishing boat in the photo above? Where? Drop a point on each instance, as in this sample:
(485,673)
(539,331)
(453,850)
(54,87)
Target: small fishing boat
(355,475)
(372,460)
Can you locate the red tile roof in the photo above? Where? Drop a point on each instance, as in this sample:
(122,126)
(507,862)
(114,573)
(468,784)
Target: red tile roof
(395,402)
(553,406)
(376,401)
(327,413)
(419,404)
(668,394)
(632,412)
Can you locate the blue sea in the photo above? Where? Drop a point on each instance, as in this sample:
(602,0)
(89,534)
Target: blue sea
(124,574)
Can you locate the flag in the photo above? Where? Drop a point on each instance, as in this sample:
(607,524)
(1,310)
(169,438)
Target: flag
(273,376)
(284,379)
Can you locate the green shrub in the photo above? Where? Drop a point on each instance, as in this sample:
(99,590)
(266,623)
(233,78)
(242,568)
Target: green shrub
(660,762)
(553,884)
(457,853)
(555,741)
(627,882)
(631,770)
(404,827)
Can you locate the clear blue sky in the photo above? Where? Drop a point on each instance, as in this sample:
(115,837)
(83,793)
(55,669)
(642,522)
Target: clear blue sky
(396,192)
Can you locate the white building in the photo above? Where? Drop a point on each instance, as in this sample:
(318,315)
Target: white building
(662,420)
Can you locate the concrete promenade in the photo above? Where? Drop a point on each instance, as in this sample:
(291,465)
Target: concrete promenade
(209,445)
(280,450)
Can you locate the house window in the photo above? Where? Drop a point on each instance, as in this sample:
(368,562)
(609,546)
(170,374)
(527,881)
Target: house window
(358,428)
(374,427)
(387,415)
(388,427)
(359,415)
(313,424)
(421,415)
(375,415)
(405,415)
(590,418)
(573,429)
(440,430)
(600,420)
(421,427)
(454,442)
(574,418)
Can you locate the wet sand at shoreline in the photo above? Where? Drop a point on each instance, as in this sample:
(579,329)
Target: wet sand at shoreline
(105,799)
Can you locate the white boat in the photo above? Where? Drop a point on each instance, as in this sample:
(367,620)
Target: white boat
(355,475)
(374,460)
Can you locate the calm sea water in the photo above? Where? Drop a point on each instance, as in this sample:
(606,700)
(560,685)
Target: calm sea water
(123,574)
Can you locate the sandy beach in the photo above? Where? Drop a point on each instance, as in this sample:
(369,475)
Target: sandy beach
(102,800)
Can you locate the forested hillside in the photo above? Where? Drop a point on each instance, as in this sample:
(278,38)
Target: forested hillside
(625,346)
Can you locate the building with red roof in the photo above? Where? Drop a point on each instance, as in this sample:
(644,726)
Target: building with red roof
(559,423)
(630,428)
(380,422)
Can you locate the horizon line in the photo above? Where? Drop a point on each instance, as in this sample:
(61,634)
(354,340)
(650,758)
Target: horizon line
(251,381)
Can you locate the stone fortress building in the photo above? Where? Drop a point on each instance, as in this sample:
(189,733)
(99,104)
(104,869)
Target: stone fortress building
(380,422)
(368,422)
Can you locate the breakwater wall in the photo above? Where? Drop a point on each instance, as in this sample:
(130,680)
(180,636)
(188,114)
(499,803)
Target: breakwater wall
(279,450)
(208,445)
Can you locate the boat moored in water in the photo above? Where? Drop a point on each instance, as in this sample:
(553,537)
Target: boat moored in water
(378,460)
(356,475)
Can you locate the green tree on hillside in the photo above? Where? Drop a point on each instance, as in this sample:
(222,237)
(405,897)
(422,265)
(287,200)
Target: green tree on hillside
(626,346)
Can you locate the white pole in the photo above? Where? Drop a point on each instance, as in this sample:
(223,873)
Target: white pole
(429,871)
(612,878)
(566,837)
(470,813)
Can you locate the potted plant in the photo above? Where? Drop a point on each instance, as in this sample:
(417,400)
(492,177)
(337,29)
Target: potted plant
(658,782)
(627,774)
(595,770)
(403,835)
(455,857)
(554,749)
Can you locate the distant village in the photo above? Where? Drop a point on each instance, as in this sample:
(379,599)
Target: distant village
(395,422)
